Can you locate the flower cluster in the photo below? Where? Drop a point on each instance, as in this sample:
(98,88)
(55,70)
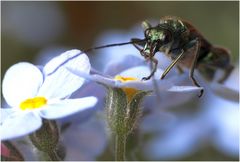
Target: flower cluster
(35,93)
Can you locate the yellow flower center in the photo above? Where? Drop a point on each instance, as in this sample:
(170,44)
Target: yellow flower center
(130,92)
(33,103)
(124,79)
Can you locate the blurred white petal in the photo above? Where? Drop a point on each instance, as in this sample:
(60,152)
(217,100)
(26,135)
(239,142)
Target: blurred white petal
(95,77)
(185,89)
(64,59)
(62,83)
(137,72)
(19,124)
(67,107)
(116,66)
(20,82)
(140,71)
(145,85)
(5,112)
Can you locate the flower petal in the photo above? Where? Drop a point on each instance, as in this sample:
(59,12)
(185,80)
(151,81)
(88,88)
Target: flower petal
(152,84)
(116,66)
(20,82)
(59,82)
(185,89)
(118,52)
(94,77)
(225,92)
(85,141)
(5,112)
(19,124)
(67,107)
(140,71)
(182,140)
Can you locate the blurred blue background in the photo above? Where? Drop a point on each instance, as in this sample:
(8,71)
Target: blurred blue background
(37,31)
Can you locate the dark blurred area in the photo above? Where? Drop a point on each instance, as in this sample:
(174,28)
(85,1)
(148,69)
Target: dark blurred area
(29,28)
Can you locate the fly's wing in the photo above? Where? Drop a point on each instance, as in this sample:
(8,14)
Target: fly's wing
(194,33)
(211,57)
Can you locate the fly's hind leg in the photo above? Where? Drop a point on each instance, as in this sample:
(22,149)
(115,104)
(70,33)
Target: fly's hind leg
(222,60)
(227,72)
(194,63)
(179,69)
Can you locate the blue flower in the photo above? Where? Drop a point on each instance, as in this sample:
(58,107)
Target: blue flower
(34,94)
(215,122)
(124,76)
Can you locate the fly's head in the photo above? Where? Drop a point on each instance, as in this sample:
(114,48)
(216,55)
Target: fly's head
(157,38)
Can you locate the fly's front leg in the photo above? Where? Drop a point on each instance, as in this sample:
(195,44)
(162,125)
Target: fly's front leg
(196,43)
(172,65)
(150,57)
(154,68)
(136,44)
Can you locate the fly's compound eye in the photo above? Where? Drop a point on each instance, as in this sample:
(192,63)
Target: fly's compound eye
(167,37)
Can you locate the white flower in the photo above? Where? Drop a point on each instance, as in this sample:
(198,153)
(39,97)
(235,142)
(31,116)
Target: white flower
(34,94)
(132,78)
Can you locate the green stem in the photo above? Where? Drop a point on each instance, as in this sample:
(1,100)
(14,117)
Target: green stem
(54,156)
(120,147)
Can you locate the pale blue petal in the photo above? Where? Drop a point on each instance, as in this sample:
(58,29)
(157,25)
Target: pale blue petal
(116,66)
(180,141)
(118,52)
(59,82)
(157,121)
(19,124)
(225,92)
(67,107)
(223,116)
(20,82)
(86,140)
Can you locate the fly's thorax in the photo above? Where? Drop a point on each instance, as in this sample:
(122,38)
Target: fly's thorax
(173,23)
